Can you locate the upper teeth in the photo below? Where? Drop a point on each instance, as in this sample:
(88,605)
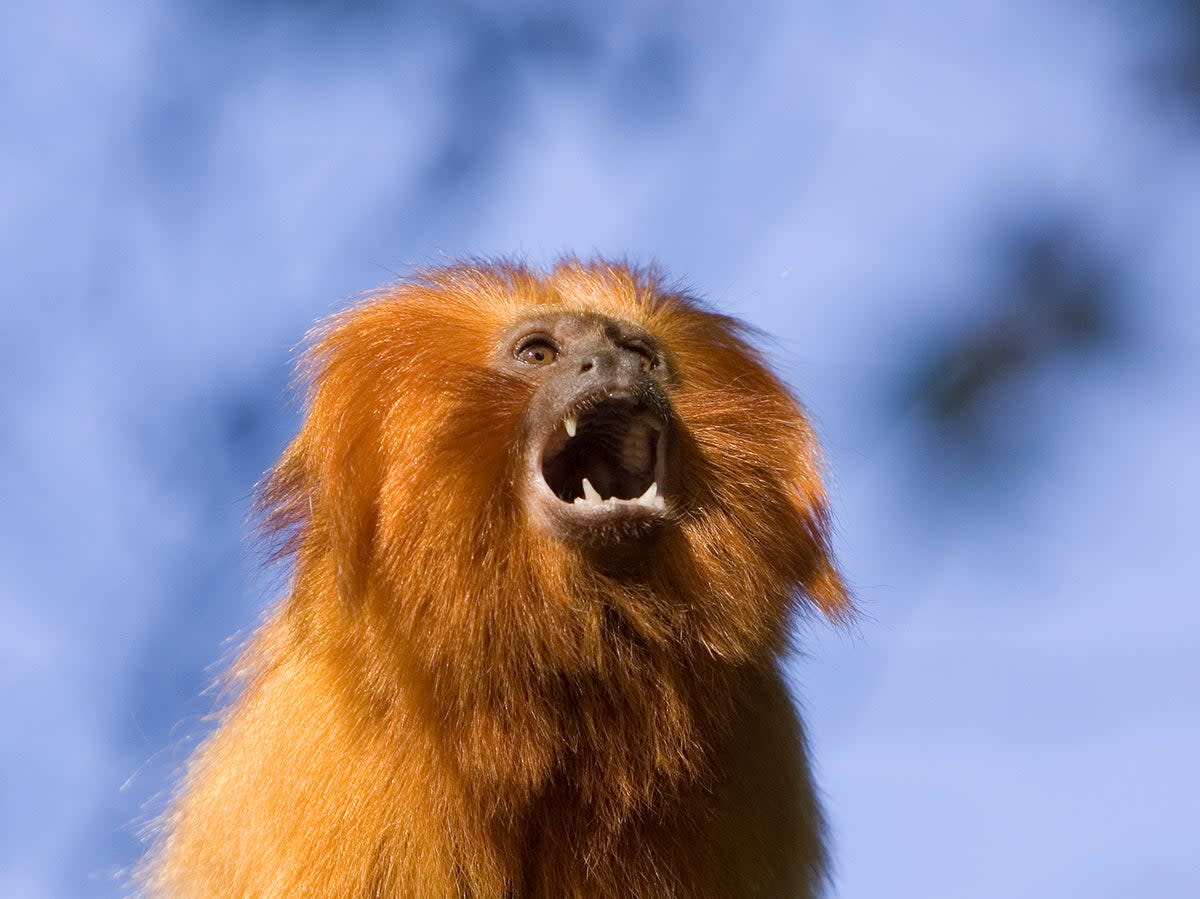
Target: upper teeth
(570,424)
(591,495)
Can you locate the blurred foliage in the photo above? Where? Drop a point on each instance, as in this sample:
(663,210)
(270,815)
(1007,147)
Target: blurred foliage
(1057,298)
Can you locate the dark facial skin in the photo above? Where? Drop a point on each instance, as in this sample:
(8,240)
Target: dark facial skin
(605,380)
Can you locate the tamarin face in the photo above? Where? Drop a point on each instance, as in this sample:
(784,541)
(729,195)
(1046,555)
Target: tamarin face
(596,438)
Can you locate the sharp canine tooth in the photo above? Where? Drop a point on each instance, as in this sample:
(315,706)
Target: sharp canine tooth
(590,492)
(569,423)
(647,498)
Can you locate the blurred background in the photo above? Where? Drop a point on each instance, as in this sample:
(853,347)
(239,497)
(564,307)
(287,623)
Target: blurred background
(970,229)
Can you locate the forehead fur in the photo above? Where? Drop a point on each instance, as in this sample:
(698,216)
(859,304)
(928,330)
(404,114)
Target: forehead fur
(507,290)
(456,317)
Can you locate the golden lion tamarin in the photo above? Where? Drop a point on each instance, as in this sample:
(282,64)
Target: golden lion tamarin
(548,532)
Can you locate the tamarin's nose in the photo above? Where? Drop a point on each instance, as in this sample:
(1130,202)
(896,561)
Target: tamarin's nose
(615,362)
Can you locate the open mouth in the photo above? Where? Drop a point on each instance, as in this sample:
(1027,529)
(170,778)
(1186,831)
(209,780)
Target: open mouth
(607,454)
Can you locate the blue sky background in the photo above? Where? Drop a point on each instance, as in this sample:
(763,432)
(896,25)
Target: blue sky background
(900,194)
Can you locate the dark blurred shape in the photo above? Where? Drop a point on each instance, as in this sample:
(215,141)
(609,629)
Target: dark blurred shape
(1058,299)
(500,53)
(1186,64)
(1175,75)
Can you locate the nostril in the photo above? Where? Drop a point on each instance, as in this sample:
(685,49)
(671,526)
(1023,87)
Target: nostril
(588,365)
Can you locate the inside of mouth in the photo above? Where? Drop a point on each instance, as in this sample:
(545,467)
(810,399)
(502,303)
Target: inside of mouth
(615,448)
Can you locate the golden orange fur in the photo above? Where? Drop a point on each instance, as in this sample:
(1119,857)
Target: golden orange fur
(455,702)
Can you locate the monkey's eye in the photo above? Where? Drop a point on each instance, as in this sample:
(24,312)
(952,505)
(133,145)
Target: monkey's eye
(649,358)
(536,350)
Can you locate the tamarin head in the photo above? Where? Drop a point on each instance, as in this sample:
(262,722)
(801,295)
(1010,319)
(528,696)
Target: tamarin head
(495,454)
